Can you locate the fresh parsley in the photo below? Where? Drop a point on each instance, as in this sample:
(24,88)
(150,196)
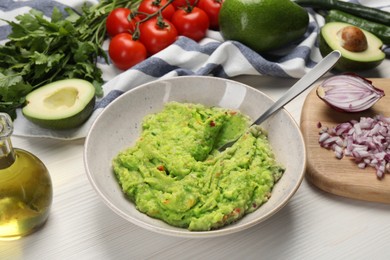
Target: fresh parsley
(39,51)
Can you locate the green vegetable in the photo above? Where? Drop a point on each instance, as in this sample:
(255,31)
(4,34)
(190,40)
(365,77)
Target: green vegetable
(40,51)
(61,104)
(369,13)
(360,50)
(380,30)
(263,25)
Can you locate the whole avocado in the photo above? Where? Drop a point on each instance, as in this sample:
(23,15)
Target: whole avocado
(262,25)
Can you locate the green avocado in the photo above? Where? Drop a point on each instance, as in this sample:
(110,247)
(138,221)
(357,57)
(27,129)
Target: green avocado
(262,25)
(175,173)
(368,57)
(62,104)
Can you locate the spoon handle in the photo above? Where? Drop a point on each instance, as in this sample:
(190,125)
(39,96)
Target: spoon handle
(306,81)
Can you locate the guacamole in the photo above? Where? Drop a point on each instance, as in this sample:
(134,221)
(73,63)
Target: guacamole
(175,172)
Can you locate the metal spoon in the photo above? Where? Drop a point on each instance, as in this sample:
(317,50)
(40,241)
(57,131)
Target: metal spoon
(306,81)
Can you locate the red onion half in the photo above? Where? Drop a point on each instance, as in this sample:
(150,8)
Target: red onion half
(349,93)
(367,141)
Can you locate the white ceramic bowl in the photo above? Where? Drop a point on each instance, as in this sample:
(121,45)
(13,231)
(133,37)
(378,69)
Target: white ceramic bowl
(119,125)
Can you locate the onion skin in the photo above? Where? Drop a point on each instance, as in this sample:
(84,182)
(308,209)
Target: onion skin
(349,93)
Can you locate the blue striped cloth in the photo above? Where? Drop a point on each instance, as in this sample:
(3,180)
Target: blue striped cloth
(211,56)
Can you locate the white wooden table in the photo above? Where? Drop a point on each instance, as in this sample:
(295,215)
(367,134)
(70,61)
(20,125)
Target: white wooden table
(313,225)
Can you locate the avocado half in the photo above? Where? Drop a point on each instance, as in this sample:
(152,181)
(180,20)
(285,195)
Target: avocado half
(62,104)
(329,40)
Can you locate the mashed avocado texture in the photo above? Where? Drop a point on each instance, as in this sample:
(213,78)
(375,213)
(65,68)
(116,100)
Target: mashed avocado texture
(175,173)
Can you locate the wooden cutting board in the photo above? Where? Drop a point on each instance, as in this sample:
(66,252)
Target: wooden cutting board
(342,176)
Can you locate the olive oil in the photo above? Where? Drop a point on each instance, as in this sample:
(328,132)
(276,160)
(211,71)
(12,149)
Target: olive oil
(25,187)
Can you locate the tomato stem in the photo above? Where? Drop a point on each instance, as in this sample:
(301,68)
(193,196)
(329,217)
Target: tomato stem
(156,3)
(160,22)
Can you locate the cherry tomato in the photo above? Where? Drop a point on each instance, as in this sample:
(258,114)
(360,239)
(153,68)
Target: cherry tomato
(211,7)
(157,34)
(119,21)
(126,52)
(183,3)
(192,23)
(152,6)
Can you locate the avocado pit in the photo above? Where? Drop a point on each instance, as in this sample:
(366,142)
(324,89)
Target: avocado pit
(353,39)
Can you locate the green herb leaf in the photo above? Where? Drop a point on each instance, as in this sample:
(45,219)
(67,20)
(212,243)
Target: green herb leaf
(56,15)
(40,51)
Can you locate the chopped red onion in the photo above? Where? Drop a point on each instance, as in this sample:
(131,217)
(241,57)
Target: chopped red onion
(349,93)
(367,141)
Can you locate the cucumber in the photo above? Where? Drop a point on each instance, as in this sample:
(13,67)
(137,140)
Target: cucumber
(380,30)
(369,13)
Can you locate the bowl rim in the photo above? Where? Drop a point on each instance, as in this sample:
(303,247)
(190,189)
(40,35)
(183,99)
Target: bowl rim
(185,233)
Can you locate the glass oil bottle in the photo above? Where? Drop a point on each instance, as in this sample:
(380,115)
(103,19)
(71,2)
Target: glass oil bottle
(25,187)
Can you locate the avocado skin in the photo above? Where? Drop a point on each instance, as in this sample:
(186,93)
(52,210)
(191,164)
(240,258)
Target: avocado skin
(68,122)
(263,25)
(344,64)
